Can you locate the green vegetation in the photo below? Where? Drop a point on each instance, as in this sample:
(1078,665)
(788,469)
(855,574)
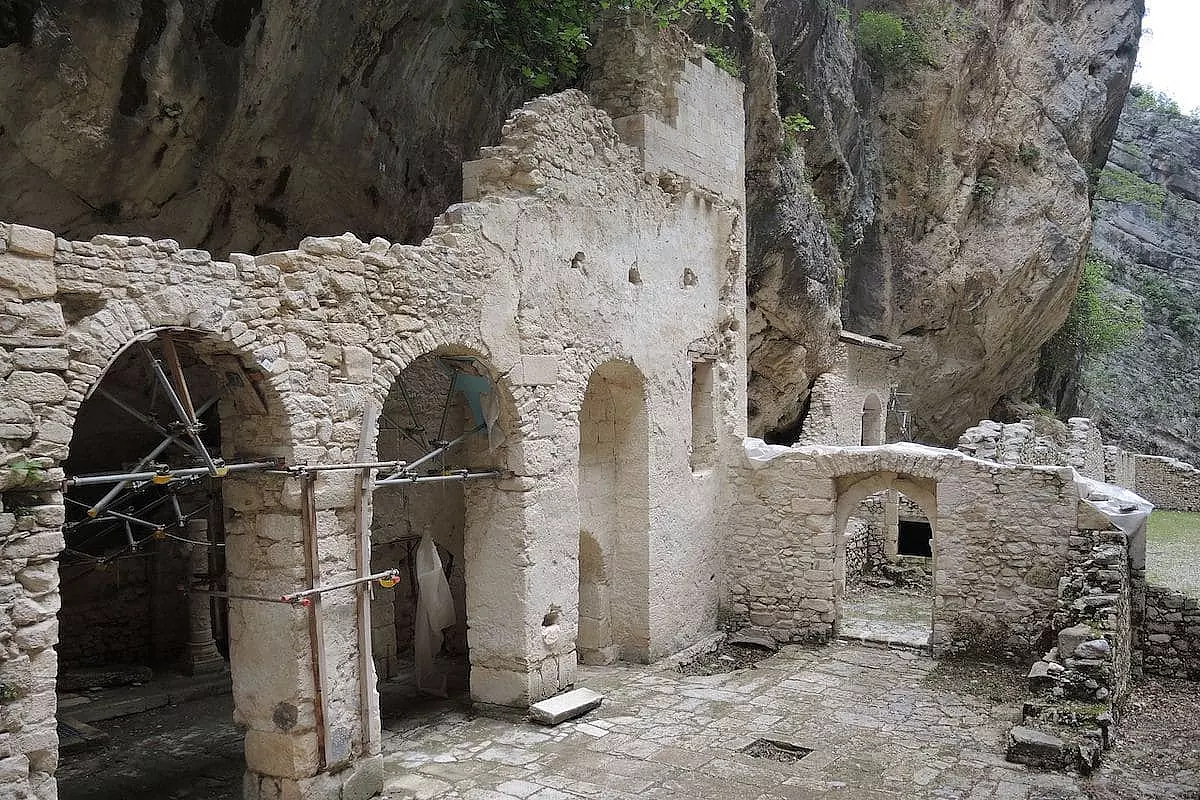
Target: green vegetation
(26,472)
(796,124)
(1122,186)
(1173,550)
(895,45)
(724,60)
(985,188)
(1029,155)
(543,41)
(9,692)
(1098,323)
(888,44)
(1148,99)
(1166,304)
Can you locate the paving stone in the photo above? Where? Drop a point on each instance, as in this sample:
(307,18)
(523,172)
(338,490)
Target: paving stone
(565,706)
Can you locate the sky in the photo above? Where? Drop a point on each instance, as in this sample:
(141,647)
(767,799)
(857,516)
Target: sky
(1169,59)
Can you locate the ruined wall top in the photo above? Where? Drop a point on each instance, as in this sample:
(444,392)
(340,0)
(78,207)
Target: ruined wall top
(671,103)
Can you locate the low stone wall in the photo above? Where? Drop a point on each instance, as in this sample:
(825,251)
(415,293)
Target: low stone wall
(1000,537)
(1040,440)
(1080,684)
(1170,634)
(1166,482)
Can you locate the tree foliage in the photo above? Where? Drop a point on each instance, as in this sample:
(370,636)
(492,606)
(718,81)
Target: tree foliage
(1098,323)
(543,41)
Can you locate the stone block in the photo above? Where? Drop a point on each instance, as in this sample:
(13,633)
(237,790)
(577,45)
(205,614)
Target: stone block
(31,241)
(41,358)
(37,387)
(32,279)
(282,754)
(565,706)
(1072,637)
(1035,748)
(365,779)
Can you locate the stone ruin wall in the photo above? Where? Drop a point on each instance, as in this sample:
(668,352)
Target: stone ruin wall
(1168,483)
(570,256)
(1170,634)
(836,402)
(1042,440)
(1000,538)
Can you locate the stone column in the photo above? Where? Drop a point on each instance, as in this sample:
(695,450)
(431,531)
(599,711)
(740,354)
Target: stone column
(201,656)
(891,526)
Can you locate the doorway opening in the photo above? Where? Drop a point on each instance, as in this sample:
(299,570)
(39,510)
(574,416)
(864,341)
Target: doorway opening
(614,556)
(887,541)
(440,422)
(144,642)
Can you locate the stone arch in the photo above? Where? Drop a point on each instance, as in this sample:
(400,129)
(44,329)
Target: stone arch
(613,487)
(271,649)
(852,490)
(478,527)
(872,421)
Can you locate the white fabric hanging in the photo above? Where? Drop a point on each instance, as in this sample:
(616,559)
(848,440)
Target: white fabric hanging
(435,611)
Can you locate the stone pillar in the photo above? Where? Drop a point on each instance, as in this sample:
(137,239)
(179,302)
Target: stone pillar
(201,656)
(891,525)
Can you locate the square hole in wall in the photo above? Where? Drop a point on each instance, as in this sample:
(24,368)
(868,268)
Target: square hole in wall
(774,750)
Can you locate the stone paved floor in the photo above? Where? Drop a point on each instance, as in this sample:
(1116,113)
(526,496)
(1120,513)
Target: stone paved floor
(888,615)
(880,723)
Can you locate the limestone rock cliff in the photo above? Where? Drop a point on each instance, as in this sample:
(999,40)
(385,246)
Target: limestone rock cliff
(944,209)
(1146,394)
(984,213)
(238,124)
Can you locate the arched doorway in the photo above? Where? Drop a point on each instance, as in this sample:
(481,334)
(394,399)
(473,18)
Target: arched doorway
(614,612)
(442,424)
(150,621)
(884,558)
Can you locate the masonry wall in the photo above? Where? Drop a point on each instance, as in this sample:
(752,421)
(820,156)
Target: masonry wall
(1168,483)
(838,398)
(567,255)
(1170,634)
(1041,440)
(1001,539)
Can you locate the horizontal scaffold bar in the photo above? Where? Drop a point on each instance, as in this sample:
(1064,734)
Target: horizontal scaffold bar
(387,578)
(168,475)
(459,475)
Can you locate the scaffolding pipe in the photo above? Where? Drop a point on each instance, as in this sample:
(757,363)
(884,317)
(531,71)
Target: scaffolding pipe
(454,476)
(167,476)
(387,574)
(146,419)
(435,453)
(232,596)
(354,465)
(193,428)
(120,487)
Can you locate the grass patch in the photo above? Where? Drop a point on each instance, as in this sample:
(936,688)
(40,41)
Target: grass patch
(1173,550)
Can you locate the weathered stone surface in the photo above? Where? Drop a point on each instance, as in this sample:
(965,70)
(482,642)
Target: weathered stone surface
(1072,637)
(751,637)
(1038,749)
(565,706)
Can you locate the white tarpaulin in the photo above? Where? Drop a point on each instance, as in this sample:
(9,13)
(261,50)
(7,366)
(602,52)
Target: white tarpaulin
(435,611)
(759,452)
(1126,509)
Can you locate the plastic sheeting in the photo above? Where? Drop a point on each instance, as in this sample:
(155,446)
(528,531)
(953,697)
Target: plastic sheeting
(435,612)
(759,452)
(1126,509)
